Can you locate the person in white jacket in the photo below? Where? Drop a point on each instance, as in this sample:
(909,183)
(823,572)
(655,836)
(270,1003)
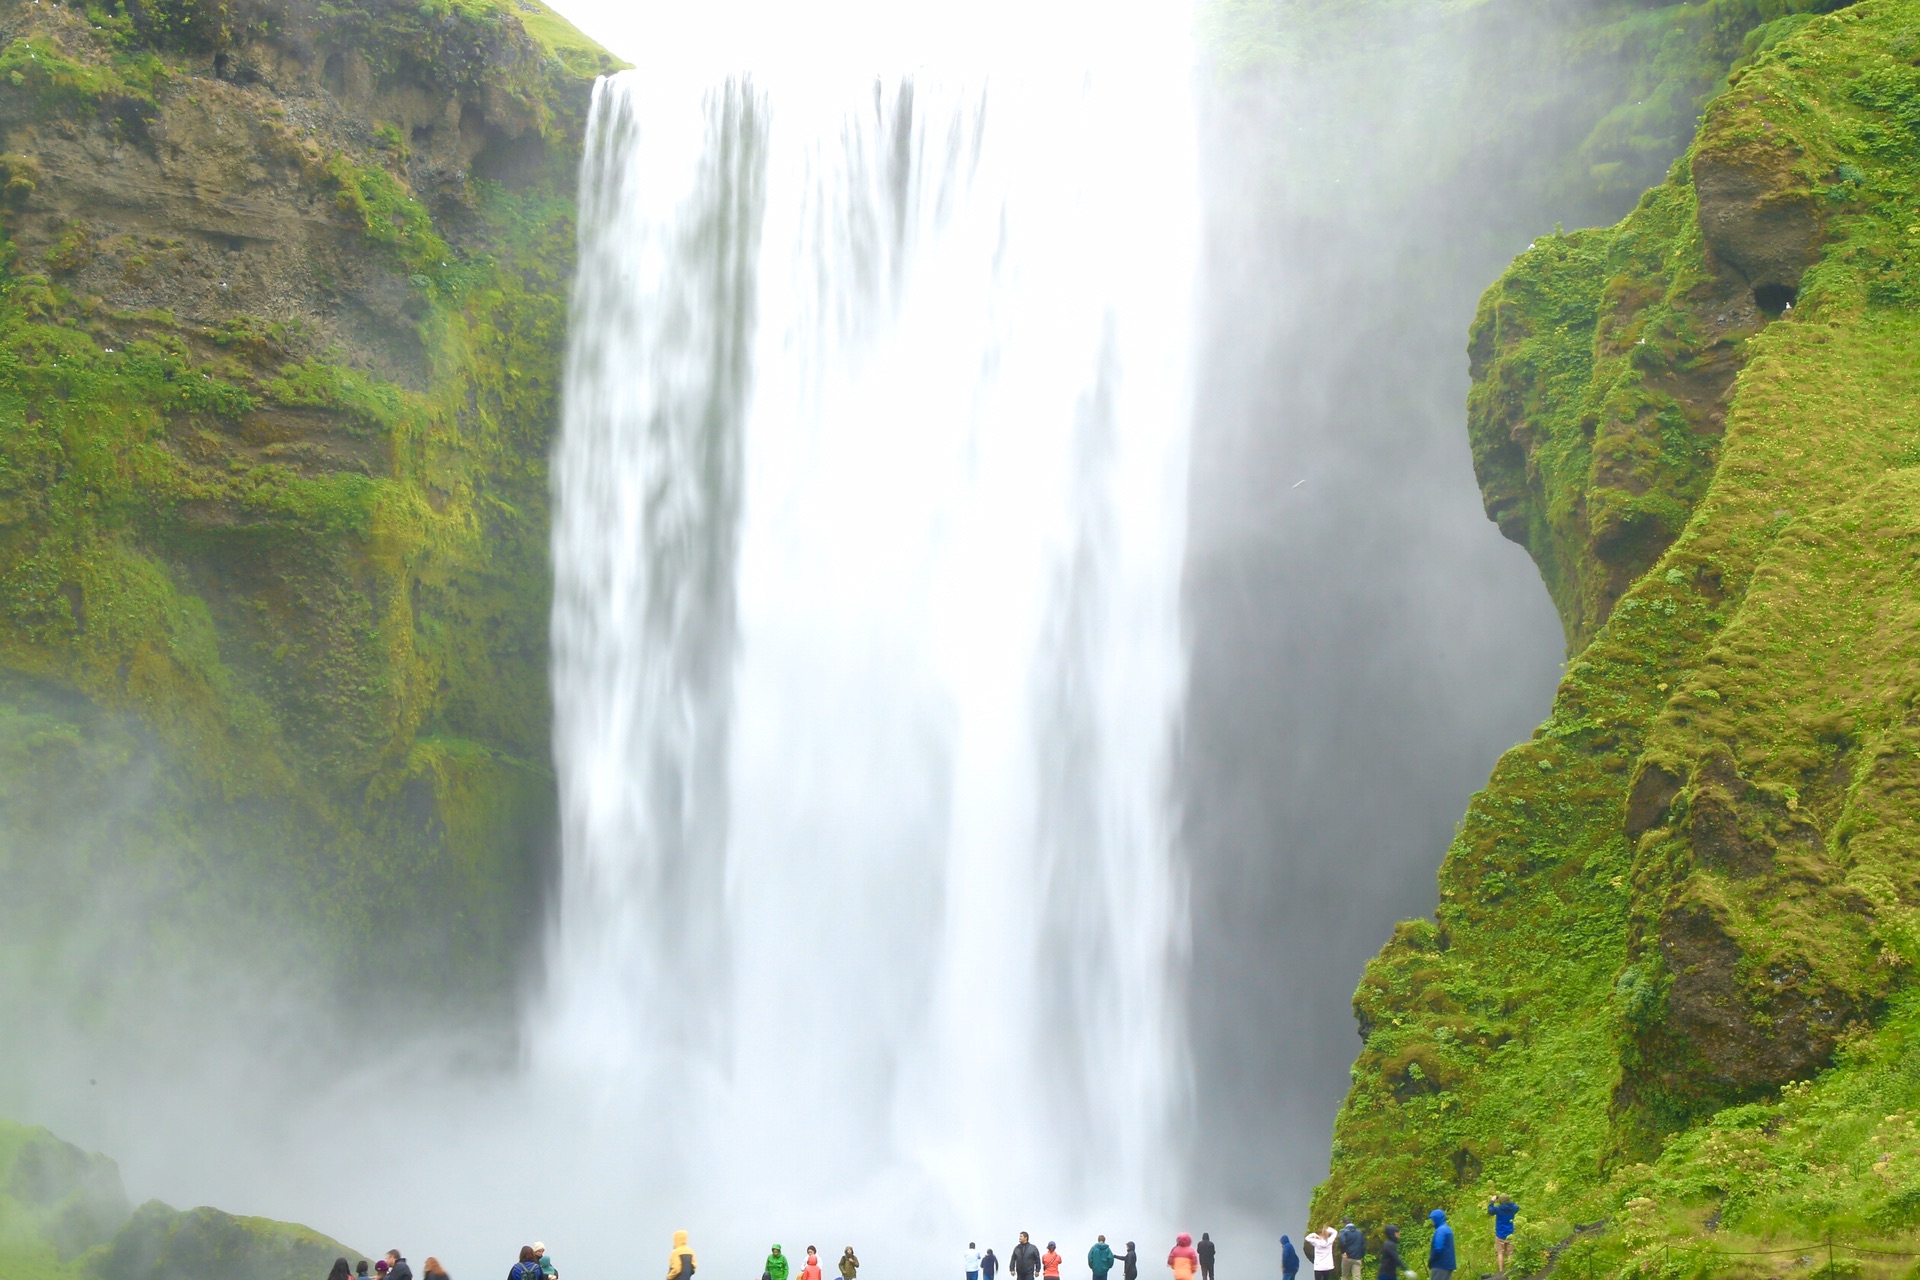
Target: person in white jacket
(971,1261)
(1325,1248)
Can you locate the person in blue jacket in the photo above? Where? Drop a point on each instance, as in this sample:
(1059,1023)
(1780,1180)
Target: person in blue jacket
(1289,1260)
(1440,1263)
(1501,1209)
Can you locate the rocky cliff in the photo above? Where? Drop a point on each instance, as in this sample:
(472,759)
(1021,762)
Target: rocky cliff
(1665,1001)
(282,299)
(65,1216)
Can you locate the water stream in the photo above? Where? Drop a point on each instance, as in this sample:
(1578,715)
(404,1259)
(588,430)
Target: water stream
(870,512)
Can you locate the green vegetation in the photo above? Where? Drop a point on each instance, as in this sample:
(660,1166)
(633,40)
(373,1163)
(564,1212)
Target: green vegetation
(273,583)
(64,1216)
(1668,986)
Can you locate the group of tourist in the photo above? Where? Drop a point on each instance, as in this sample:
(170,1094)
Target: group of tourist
(391,1267)
(1026,1262)
(1345,1249)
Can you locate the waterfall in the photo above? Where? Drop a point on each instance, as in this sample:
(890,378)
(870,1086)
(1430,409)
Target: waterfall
(870,512)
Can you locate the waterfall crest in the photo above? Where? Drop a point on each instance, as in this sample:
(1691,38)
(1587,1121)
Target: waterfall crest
(870,512)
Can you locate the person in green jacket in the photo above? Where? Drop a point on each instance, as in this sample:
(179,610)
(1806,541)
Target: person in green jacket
(1100,1259)
(849,1265)
(776,1265)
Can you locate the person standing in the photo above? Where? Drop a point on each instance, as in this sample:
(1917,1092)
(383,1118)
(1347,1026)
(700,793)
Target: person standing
(1324,1242)
(1440,1260)
(1025,1262)
(1502,1208)
(1390,1255)
(1130,1264)
(681,1263)
(397,1268)
(971,1260)
(547,1269)
(1050,1262)
(1182,1259)
(528,1268)
(1100,1259)
(849,1265)
(1353,1251)
(777,1266)
(340,1270)
(989,1266)
(1205,1250)
(811,1271)
(1289,1259)
(432,1269)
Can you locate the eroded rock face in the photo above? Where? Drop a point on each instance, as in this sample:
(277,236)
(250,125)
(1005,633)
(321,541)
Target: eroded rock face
(1758,218)
(1750,1030)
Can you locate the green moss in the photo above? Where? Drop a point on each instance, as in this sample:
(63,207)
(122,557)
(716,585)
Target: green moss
(1669,976)
(306,603)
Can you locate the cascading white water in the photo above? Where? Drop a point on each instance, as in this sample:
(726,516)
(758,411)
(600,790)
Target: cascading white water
(867,654)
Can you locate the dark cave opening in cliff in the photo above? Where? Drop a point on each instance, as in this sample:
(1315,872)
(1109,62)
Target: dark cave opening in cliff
(1774,299)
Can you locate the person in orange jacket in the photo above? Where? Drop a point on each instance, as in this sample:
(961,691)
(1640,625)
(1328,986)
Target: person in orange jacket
(811,1269)
(1050,1262)
(1183,1260)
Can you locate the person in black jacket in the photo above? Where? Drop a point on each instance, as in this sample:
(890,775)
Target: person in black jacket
(1130,1264)
(397,1268)
(1205,1250)
(1390,1255)
(1024,1264)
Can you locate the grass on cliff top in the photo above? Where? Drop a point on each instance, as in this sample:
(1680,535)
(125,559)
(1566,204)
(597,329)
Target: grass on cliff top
(1781,624)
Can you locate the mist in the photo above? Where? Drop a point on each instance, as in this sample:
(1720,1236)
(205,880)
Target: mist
(1362,644)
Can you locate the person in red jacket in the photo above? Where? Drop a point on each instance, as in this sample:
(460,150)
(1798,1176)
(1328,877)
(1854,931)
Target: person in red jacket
(1050,1262)
(811,1271)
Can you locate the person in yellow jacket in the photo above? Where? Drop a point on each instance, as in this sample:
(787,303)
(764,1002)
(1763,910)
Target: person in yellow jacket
(681,1262)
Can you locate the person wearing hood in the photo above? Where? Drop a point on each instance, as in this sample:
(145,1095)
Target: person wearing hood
(1353,1251)
(1390,1255)
(989,1265)
(547,1269)
(1024,1262)
(777,1266)
(680,1260)
(1100,1259)
(1182,1258)
(811,1269)
(1440,1262)
(849,1265)
(1205,1250)
(1129,1264)
(1289,1259)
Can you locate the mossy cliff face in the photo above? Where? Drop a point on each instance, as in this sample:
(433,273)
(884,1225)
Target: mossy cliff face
(1668,986)
(281,314)
(65,1216)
